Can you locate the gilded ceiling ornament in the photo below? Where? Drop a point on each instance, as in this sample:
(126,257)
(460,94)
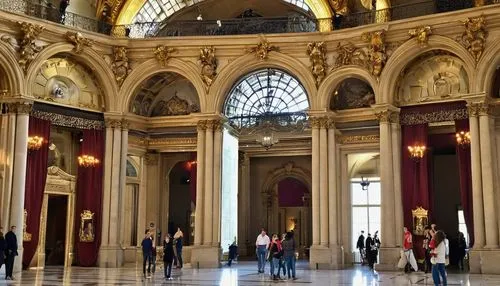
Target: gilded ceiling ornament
(79,41)
(162,54)
(376,51)
(28,49)
(348,54)
(474,36)
(120,64)
(340,6)
(208,66)
(421,34)
(262,49)
(317,56)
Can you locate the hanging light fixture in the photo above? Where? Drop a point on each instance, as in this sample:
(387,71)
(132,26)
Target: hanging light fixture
(417,152)
(35,143)
(463,138)
(87,161)
(364,183)
(267,139)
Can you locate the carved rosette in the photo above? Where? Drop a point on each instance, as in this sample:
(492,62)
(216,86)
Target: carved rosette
(120,64)
(474,36)
(263,49)
(162,54)
(421,34)
(28,49)
(208,63)
(317,56)
(78,41)
(377,55)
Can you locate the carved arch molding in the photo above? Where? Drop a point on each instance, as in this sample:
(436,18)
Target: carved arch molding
(288,170)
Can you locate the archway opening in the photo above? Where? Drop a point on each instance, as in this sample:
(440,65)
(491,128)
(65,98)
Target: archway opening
(182,198)
(495,89)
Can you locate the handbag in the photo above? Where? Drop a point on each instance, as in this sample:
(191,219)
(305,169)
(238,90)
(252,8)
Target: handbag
(402,260)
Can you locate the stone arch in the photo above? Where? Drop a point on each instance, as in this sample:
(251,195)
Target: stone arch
(89,58)
(14,77)
(335,78)
(244,65)
(408,51)
(486,67)
(286,171)
(152,67)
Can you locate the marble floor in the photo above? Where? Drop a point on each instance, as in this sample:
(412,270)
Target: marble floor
(243,273)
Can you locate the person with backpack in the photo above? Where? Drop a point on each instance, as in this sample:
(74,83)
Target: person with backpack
(276,252)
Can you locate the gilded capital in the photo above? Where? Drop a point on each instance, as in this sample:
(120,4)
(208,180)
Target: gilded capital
(218,125)
(19,107)
(151,159)
(202,125)
(383,116)
(125,124)
(484,109)
(315,122)
(473,109)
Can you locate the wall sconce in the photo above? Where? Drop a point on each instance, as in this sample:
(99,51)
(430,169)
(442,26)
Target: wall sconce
(364,184)
(417,152)
(463,138)
(87,161)
(35,143)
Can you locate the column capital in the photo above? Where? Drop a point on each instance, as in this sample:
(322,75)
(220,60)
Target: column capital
(125,124)
(386,113)
(201,125)
(19,107)
(322,122)
(113,123)
(151,159)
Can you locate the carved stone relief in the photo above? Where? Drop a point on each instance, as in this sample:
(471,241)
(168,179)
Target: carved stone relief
(474,36)
(421,34)
(348,54)
(28,47)
(377,55)
(317,56)
(162,54)
(208,64)
(174,106)
(79,41)
(121,64)
(262,49)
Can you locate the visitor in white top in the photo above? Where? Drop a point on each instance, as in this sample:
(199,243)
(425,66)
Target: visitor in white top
(438,260)
(261,245)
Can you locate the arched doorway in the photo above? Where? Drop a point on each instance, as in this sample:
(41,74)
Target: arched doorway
(182,198)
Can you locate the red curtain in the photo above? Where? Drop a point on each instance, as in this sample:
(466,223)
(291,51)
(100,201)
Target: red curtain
(36,175)
(89,196)
(465,173)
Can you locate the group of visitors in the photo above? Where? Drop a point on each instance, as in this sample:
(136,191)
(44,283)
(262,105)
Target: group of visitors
(8,251)
(172,253)
(368,248)
(280,251)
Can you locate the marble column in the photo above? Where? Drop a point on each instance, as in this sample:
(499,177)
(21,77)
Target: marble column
(200,183)
(143,186)
(315,182)
(323,178)
(477,186)
(209,185)
(9,135)
(19,175)
(218,127)
(485,138)
(396,157)
(332,186)
(108,162)
(243,205)
(115,186)
(123,177)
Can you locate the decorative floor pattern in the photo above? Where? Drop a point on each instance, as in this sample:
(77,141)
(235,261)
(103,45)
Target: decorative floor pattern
(240,274)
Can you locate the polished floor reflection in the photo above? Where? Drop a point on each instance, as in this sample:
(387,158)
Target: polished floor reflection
(243,273)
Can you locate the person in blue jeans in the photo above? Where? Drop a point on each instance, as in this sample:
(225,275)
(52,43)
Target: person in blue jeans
(147,253)
(438,258)
(261,246)
(289,254)
(275,256)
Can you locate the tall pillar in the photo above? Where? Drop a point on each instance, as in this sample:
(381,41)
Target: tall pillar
(19,175)
(123,177)
(200,183)
(315,181)
(115,185)
(108,162)
(490,219)
(209,185)
(396,157)
(218,127)
(332,186)
(243,206)
(9,135)
(323,186)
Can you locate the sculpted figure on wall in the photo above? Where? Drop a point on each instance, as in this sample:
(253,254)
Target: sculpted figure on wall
(79,41)
(421,34)
(174,106)
(120,64)
(162,54)
(208,65)
(317,56)
(474,36)
(263,49)
(28,49)
(348,54)
(376,51)
(340,7)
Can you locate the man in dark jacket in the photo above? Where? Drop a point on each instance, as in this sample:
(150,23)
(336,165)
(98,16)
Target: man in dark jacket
(10,252)
(147,252)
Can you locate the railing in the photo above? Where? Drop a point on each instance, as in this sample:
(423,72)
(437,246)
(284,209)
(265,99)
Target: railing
(280,121)
(233,26)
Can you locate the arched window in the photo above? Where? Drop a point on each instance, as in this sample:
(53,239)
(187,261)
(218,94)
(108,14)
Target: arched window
(265,93)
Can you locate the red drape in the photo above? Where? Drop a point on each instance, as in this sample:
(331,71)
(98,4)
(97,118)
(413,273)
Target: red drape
(89,196)
(465,172)
(415,179)
(36,175)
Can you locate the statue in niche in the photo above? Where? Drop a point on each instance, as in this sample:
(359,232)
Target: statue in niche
(353,93)
(56,158)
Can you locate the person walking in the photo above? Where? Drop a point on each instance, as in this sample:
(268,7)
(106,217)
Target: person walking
(360,245)
(178,236)
(275,256)
(233,252)
(168,256)
(438,258)
(408,251)
(462,248)
(63,5)
(2,248)
(282,259)
(147,253)
(10,252)
(261,246)
(370,245)
(289,255)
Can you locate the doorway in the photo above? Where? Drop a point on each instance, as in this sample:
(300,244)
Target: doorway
(181,200)
(55,239)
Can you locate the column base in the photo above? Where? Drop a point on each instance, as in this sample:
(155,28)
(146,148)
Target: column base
(110,257)
(484,261)
(18,262)
(205,257)
(388,259)
(326,258)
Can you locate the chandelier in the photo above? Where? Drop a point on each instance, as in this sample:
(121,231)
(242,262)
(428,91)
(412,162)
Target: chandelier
(463,138)
(267,140)
(417,152)
(35,143)
(87,161)
(364,184)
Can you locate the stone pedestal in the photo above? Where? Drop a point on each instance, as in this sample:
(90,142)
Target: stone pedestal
(388,259)
(110,257)
(326,258)
(205,257)
(484,261)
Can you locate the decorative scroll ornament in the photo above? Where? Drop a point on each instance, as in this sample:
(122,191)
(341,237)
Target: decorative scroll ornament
(420,220)
(376,51)
(79,41)
(26,235)
(162,54)
(349,54)
(341,7)
(359,139)
(421,34)
(87,232)
(435,116)
(474,36)
(121,64)
(262,49)
(28,49)
(317,56)
(208,66)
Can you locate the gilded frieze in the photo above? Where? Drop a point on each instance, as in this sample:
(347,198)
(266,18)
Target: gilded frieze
(358,139)
(421,34)
(474,36)
(162,54)
(68,121)
(29,49)
(263,49)
(78,41)
(317,56)
(348,54)
(436,116)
